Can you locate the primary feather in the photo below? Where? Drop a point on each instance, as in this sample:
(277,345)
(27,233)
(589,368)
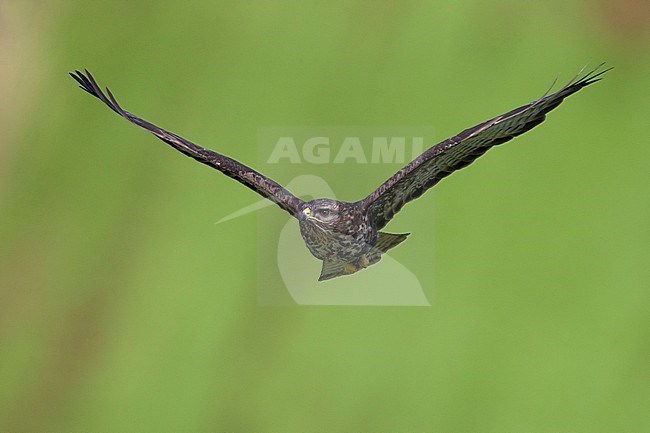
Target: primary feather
(457,152)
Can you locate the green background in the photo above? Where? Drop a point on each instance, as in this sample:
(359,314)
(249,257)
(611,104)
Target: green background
(124,308)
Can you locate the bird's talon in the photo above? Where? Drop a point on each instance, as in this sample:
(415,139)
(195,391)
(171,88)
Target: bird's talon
(364,262)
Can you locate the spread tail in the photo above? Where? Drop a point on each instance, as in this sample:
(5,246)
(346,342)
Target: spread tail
(386,241)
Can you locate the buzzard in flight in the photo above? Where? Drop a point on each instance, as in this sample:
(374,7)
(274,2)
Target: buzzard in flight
(346,236)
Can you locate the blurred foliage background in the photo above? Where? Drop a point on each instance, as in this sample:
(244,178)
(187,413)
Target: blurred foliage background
(124,308)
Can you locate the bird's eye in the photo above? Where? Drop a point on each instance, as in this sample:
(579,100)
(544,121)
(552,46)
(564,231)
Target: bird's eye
(324,212)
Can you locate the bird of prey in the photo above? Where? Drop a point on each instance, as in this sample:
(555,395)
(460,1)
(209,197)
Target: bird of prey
(346,236)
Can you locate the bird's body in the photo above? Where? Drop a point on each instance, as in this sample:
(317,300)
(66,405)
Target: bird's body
(347,237)
(342,236)
(334,229)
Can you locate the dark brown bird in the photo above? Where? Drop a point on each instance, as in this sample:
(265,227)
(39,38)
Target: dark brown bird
(346,236)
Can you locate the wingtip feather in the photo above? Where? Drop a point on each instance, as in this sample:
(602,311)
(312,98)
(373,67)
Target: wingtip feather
(88,83)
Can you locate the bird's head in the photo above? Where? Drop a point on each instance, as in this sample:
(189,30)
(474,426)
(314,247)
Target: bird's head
(321,211)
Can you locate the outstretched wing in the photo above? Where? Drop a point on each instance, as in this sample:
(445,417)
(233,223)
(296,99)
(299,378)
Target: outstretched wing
(457,152)
(252,179)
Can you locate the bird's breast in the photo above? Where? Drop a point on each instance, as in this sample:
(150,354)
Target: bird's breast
(329,244)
